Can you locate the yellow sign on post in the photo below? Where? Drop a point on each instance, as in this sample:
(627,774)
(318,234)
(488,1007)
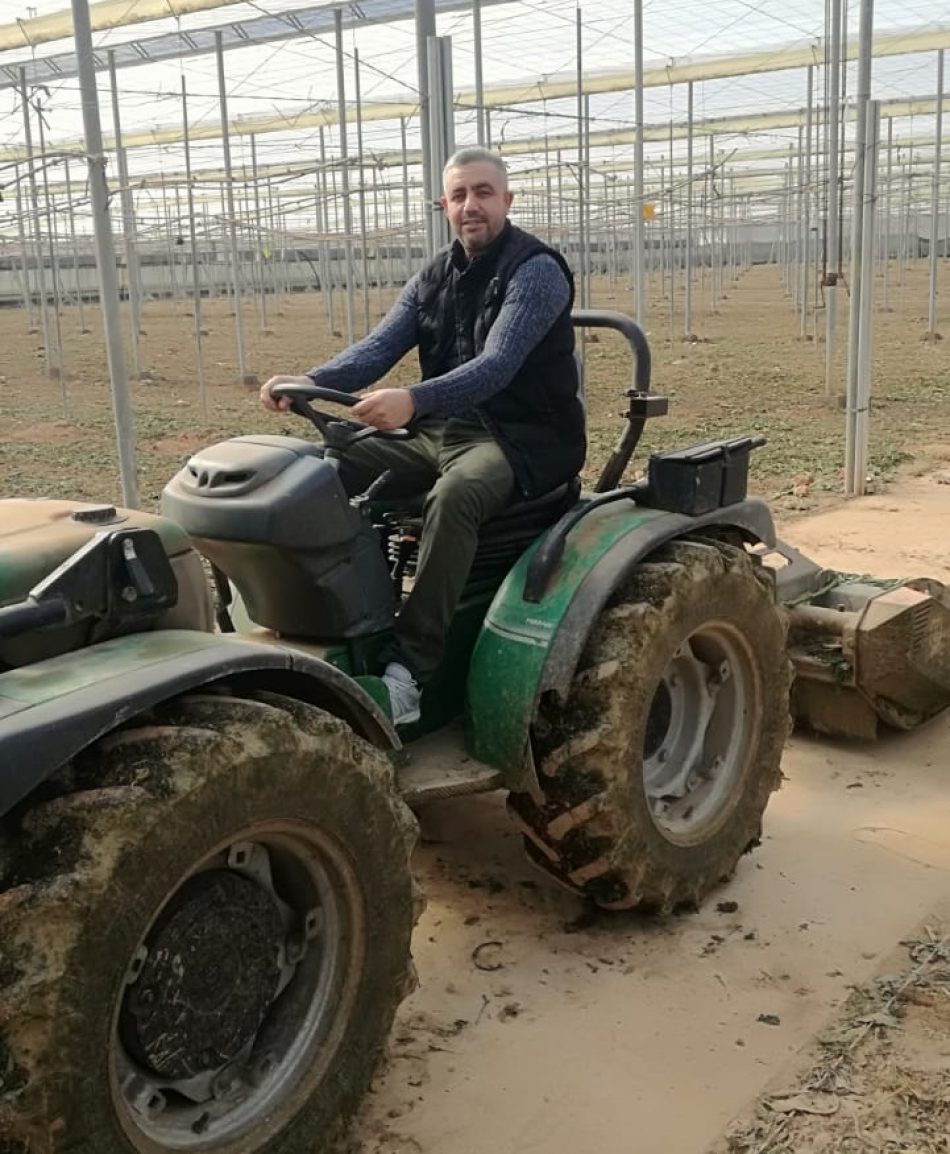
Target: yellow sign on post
(649,211)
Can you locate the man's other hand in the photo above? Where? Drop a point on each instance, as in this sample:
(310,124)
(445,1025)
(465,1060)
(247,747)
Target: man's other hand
(280,404)
(386,408)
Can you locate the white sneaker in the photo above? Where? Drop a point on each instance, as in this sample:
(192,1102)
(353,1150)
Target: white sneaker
(404,693)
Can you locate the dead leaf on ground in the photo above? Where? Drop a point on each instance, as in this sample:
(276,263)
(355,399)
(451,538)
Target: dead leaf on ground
(805,1103)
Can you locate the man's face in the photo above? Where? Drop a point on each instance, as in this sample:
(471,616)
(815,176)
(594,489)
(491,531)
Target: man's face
(476,202)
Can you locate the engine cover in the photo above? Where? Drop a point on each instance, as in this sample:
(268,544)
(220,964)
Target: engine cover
(272,515)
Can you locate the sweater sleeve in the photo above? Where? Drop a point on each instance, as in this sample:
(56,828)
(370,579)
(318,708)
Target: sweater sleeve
(364,362)
(536,296)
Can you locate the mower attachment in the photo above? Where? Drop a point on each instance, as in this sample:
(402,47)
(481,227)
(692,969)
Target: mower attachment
(865,650)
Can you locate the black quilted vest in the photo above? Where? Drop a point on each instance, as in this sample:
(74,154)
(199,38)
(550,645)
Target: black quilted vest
(538,419)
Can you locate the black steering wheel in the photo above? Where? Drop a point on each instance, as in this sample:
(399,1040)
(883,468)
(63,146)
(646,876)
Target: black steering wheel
(300,398)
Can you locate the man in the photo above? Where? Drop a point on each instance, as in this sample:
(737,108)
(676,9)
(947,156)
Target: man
(496,417)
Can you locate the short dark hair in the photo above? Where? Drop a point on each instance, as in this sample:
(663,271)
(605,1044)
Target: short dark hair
(475,154)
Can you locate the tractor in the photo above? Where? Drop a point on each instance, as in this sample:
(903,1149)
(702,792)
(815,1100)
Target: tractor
(206,902)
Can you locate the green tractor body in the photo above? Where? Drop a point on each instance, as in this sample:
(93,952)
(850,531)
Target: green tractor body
(204,842)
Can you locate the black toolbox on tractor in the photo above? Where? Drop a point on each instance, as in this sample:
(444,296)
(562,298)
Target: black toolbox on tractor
(701,478)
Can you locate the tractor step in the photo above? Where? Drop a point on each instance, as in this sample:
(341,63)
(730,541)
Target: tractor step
(437,766)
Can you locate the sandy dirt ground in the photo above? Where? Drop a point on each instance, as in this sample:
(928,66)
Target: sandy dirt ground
(619,1034)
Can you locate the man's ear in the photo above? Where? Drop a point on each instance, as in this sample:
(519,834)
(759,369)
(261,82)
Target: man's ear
(444,201)
(509,197)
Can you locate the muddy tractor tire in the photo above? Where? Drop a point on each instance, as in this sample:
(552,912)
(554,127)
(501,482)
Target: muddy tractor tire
(656,773)
(204,937)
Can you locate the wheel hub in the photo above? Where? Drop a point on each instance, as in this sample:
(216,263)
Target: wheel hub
(697,736)
(211,972)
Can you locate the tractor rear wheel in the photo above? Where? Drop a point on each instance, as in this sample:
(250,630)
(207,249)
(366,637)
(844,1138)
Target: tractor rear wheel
(657,770)
(204,937)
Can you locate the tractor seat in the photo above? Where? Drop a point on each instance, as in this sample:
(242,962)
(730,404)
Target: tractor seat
(504,538)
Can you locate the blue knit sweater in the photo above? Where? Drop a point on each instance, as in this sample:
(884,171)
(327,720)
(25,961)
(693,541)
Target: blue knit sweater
(537,294)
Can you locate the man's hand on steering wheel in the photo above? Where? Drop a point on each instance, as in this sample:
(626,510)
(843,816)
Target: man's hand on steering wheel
(386,409)
(280,404)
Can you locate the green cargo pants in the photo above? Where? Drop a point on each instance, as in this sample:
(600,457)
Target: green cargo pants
(468,480)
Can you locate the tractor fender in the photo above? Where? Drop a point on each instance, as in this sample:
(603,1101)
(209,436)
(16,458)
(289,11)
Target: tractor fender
(526,648)
(51,710)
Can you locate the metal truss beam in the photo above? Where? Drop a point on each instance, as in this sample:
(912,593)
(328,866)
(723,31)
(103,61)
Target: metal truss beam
(315,21)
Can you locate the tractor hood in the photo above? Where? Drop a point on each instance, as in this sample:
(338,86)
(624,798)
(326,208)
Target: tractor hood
(36,536)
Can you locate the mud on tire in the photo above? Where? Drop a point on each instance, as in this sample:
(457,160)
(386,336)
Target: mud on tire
(204,938)
(656,771)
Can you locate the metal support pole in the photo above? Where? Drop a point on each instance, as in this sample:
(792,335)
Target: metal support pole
(671,233)
(442,131)
(344,172)
(324,226)
(178,219)
(425,28)
(165,213)
(35,235)
(193,242)
(559,170)
(243,376)
(588,200)
(24,255)
(582,240)
(60,371)
(865,33)
(688,287)
(479,82)
(639,281)
(832,247)
(858,420)
(713,246)
(407,224)
(905,224)
(935,206)
(806,204)
(800,219)
(128,222)
(361,191)
(105,254)
(885,301)
(257,231)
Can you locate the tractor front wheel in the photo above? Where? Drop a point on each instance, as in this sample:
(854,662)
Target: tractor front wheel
(204,937)
(657,770)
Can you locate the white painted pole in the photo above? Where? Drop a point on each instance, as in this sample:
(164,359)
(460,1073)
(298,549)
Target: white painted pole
(361,191)
(831,223)
(243,375)
(866,338)
(865,33)
(639,280)
(688,287)
(128,222)
(344,172)
(193,243)
(806,205)
(935,206)
(105,253)
(479,83)
(35,233)
(425,27)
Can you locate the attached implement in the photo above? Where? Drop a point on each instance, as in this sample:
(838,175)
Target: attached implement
(866,651)
(206,901)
